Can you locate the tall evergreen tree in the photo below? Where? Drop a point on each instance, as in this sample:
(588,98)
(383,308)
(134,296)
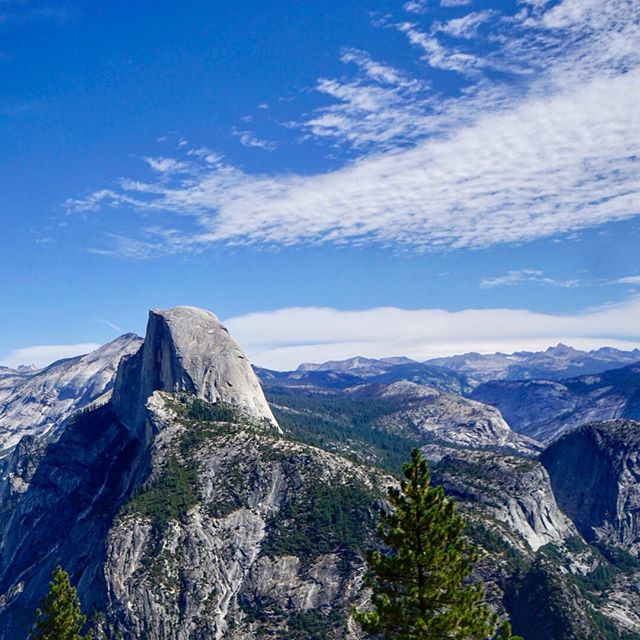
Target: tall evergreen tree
(60,617)
(419,579)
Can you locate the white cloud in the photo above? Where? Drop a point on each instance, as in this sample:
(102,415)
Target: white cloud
(552,149)
(627,280)
(166,165)
(467,26)
(249,140)
(454,3)
(439,56)
(284,338)
(527,276)
(416,6)
(44,354)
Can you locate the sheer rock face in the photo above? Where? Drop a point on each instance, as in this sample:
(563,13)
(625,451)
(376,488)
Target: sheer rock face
(231,563)
(595,474)
(513,491)
(57,509)
(188,349)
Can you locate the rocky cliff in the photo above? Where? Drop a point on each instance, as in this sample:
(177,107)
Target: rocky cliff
(183,510)
(234,532)
(595,474)
(513,491)
(37,402)
(535,563)
(187,349)
(545,410)
(179,509)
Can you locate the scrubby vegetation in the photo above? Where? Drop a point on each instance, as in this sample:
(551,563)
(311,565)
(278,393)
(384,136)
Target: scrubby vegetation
(324,518)
(496,545)
(169,496)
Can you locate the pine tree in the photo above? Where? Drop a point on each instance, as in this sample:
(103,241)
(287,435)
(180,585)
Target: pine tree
(60,617)
(419,581)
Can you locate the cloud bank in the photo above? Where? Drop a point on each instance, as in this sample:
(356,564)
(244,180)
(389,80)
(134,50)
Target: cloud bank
(284,338)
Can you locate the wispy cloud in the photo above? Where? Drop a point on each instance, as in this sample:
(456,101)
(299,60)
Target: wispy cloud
(438,55)
(111,325)
(416,6)
(467,26)
(283,339)
(454,3)
(542,140)
(166,165)
(248,139)
(527,276)
(44,354)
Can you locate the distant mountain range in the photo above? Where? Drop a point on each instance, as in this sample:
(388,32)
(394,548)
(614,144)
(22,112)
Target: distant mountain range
(380,371)
(186,500)
(555,363)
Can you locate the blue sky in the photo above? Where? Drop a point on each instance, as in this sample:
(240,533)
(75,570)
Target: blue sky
(331,179)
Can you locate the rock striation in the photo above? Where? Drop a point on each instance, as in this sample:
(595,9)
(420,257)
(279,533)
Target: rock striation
(514,491)
(252,549)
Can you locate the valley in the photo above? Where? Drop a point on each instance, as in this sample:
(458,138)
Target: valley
(188,497)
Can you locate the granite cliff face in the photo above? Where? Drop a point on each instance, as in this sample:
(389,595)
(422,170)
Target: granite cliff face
(187,349)
(535,562)
(178,508)
(513,491)
(246,540)
(595,474)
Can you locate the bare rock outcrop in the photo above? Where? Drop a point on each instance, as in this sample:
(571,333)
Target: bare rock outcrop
(37,402)
(188,349)
(595,475)
(513,491)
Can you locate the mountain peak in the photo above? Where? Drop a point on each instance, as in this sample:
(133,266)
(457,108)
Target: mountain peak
(561,349)
(188,349)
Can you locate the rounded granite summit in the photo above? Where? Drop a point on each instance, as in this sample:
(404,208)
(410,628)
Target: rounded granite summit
(189,349)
